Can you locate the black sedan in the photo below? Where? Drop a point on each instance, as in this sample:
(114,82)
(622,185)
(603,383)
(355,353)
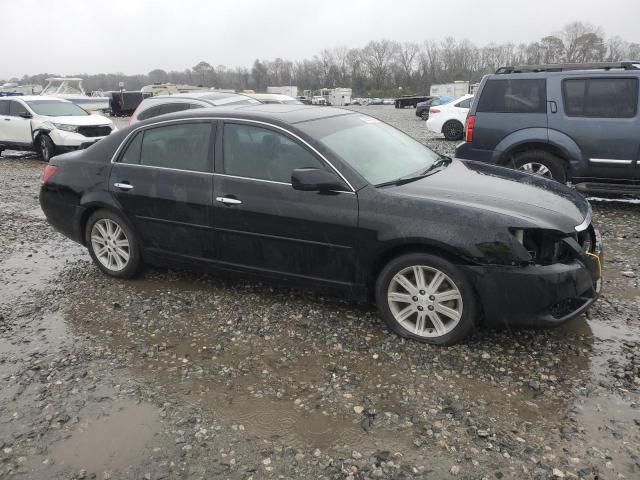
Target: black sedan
(333,199)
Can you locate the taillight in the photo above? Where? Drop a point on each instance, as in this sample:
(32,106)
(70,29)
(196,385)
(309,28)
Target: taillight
(433,110)
(471,122)
(49,172)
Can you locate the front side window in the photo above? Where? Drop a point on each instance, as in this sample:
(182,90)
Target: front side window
(377,151)
(16,108)
(4,107)
(256,152)
(514,96)
(600,97)
(53,108)
(182,146)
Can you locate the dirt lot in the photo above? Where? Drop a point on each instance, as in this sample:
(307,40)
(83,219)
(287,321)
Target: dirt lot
(179,375)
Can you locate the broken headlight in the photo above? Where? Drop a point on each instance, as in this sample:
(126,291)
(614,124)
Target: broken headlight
(545,246)
(65,127)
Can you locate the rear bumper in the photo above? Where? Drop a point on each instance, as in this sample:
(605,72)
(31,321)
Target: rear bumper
(63,217)
(535,295)
(466,151)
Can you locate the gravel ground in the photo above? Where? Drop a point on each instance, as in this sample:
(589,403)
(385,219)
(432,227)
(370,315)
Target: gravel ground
(180,375)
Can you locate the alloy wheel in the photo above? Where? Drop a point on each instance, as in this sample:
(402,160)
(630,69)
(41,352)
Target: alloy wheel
(425,301)
(537,169)
(110,244)
(44,149)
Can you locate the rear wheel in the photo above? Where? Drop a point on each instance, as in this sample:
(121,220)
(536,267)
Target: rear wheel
(426,298)
(453,130)
(112,245)
(425,115)
(541,163)
(46,147)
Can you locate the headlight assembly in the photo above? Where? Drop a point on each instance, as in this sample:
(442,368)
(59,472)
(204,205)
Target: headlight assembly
(544,246)
(65,127)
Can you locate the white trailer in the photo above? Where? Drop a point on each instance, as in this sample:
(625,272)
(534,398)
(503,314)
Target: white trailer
(456,89)
(339,97)
(290,90)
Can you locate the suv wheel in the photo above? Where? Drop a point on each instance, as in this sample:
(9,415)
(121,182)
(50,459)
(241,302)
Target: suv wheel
(426,298)
(453,130)
(112,244)
(541,163)
(424,115)
(46,147)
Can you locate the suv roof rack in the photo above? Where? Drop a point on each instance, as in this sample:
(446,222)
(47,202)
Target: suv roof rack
(560,67)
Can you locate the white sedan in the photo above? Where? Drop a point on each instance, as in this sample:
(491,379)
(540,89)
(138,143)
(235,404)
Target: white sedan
(48,125)
(449,119)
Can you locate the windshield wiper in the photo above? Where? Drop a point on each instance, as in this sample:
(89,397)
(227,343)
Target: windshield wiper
(441,162)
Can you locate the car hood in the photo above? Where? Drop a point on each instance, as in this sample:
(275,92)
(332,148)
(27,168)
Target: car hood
(529,201)
(81,121)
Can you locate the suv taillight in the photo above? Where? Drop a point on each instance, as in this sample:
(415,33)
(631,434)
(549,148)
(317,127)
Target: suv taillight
(49,172)
(471,122)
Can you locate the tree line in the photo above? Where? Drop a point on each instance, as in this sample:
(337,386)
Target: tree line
(385,67)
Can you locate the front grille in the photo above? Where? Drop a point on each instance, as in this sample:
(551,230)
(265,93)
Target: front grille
(97,131)
(566,307)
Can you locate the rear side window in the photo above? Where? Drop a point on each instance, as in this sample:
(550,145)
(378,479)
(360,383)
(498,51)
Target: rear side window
(514,96)
(183,146)
(166,108)
(600,97)
(149,113)
(4,107)
(465,103)
(173,107)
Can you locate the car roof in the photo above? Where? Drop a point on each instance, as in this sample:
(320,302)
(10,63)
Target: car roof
(201,95)
(274,96)
(279,113)
(28,98)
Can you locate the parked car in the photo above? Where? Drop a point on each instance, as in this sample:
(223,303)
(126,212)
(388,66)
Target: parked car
(388,101)
(318,100)
(374,101)
(275,98)
(575,123)
(161,104)
(48,125)
(449,119)
(422,109)
(334,199)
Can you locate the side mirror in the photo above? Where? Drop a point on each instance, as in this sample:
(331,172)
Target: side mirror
(315,180)
(25,115)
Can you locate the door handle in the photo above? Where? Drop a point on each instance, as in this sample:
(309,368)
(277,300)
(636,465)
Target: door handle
(554,106)
(123,186)
(229,200)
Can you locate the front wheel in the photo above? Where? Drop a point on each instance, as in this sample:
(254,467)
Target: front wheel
(453,130)
(426,298)
(46,147)
(112,244)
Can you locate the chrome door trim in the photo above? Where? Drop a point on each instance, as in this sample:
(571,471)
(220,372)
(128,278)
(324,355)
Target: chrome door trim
(231,119)
(612,161)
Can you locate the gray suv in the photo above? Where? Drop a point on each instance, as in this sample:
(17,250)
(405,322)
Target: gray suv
(576,123)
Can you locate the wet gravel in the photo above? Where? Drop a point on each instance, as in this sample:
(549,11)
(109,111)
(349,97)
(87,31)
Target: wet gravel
(183,375)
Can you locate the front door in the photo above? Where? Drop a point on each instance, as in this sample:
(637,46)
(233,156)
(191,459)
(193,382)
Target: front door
(601,115)
(163,181)
(262,224)
(14,129)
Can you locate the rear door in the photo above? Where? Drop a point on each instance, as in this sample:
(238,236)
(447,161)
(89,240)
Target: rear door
(262,224)
(600,113)
(163,181)
(508,105)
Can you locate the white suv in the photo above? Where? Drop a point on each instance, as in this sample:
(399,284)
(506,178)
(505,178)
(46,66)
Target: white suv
(48,125)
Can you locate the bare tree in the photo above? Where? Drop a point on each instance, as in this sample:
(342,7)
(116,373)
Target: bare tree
(377,56)
(407,56)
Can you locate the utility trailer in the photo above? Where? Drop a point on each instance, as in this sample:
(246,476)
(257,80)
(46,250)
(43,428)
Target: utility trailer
(455,89)
(410,100)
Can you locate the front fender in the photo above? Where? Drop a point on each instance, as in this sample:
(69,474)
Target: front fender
(515,139)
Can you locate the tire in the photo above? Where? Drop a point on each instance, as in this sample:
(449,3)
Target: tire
(46,147)
(424,115)
(453,130)
(113,262)
(541,163)
(461,308)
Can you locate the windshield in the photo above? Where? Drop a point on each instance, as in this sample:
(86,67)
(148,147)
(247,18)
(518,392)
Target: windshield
(377,151)
(53,108)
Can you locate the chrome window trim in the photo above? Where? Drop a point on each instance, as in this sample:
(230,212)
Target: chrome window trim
(612,161)
(586,222)
(232,119)
(269,181)
(164,168)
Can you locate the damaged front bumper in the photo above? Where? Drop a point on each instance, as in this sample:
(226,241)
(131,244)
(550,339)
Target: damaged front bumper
(539,295)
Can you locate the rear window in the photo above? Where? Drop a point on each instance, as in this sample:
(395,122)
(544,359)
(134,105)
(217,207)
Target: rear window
(600,97)
(514,96)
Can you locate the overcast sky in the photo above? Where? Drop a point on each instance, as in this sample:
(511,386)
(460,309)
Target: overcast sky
(134,36)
